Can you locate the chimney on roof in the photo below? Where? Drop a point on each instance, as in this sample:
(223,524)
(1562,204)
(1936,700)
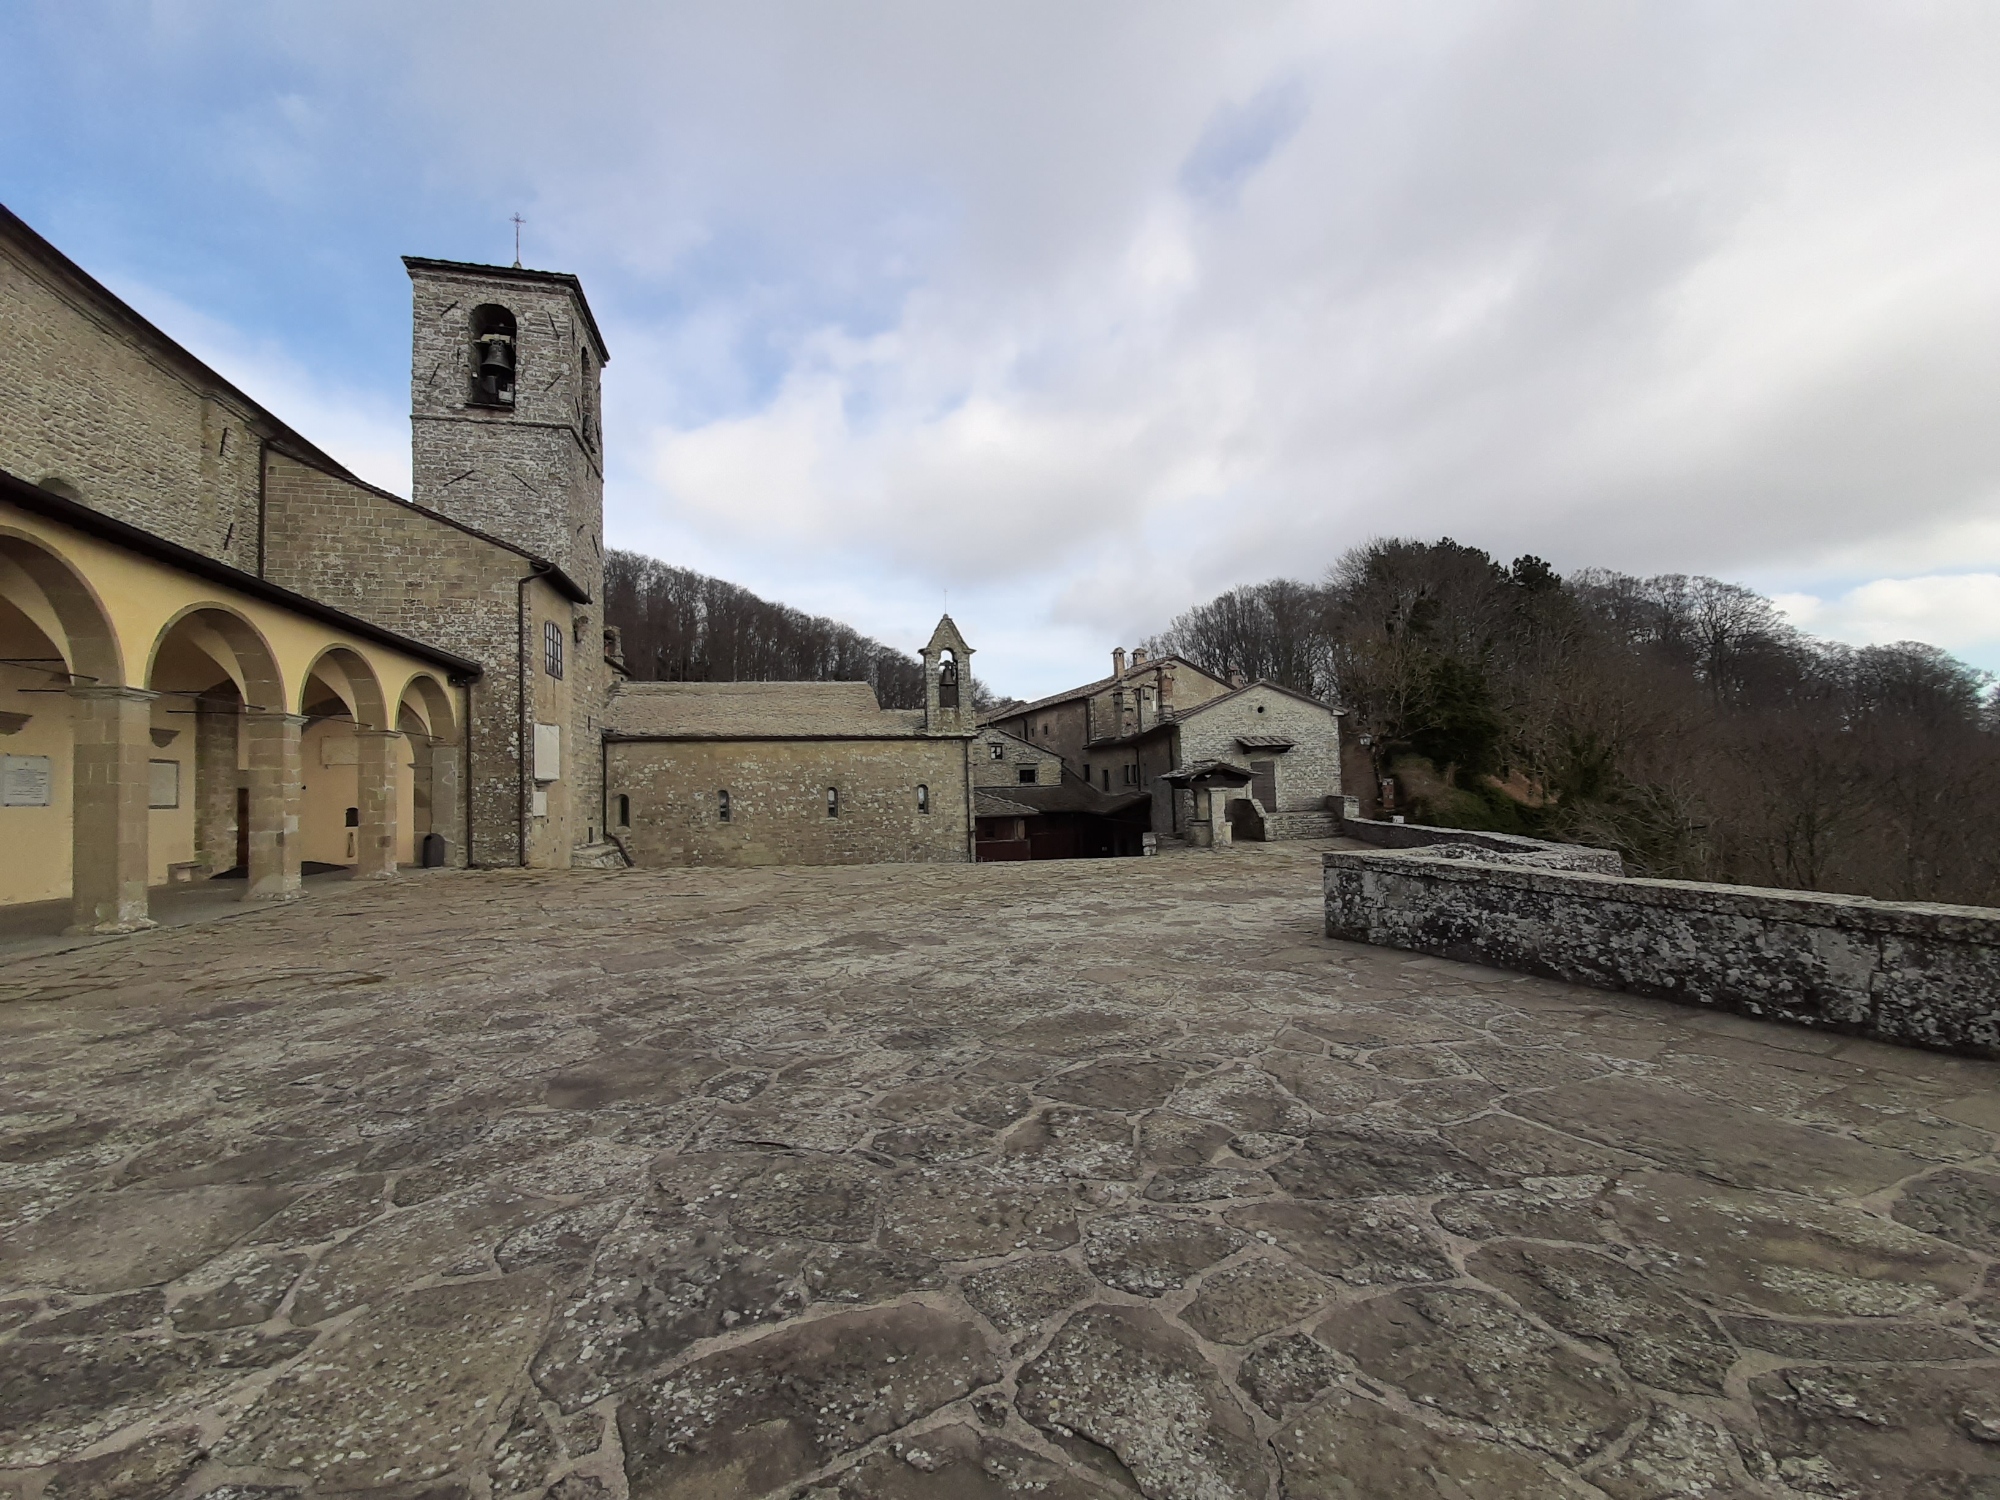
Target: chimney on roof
(1236,679)
(1138,655)
(1166,688)
(1117,661)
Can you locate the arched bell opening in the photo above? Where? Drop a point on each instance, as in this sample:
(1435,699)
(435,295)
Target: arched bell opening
(493,356)
(948,679)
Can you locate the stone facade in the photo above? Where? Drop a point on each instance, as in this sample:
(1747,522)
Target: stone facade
(102,406)
(1000,759)
(778,801)
(1918,974)
(1136,697)
(810,773)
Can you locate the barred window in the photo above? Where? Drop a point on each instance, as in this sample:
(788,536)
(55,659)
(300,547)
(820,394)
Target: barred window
(722,805)
(833,802)
(552,648)
(923,798)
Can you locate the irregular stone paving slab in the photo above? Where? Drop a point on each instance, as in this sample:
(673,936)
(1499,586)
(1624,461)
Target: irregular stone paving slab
(1127,1380)
(1361,1243)
(1658,1338)
(1471,1356)
(1544,1208)
(1063,1142)
(1963,1207)
(1286,1371)
(1022,1293)
(1877,1340)
(708,1110)
(749,1419)
(1349,1449)
(138,1237)
(1365,1161)
(1150,1255)
(396,1396)
(1913,1435)
(967,1213)
(659,1289)
(153,1467)
(1743,1147)
(1788,1255)
(1245,1301)
(1116,1085)
(1675,1455)
(958,1461)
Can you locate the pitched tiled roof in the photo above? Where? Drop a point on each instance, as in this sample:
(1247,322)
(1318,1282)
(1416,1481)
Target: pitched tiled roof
(755,710)
(1089,689)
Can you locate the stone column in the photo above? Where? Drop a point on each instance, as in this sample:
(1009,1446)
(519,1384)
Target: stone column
(375,845)
(109,827)
(275,792)
(215,782)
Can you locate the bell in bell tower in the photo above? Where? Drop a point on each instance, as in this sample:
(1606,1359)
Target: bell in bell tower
(504,402)
(948,682)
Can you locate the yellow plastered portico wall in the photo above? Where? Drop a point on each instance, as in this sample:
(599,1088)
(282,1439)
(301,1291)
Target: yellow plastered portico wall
(139,601)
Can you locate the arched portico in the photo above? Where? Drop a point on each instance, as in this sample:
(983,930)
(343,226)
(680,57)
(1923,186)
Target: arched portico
(435,803)
(352,762)
(151,714)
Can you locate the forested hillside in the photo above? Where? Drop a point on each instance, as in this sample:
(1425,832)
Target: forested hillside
(1677,719)
(683,626)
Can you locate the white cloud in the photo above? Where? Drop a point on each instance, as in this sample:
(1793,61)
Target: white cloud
(1960,612)
(1086,312)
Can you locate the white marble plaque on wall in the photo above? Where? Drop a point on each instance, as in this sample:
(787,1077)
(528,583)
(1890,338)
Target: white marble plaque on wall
(26,781)
(165,790)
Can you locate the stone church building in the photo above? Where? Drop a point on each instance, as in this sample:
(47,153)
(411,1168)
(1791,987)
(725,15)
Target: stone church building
(222,654)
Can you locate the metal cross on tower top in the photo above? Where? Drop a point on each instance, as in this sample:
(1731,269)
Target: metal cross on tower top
(518,222)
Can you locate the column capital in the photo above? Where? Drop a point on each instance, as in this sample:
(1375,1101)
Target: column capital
(103,691)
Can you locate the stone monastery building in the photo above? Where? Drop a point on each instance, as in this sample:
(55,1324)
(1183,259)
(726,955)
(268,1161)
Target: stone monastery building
(222,654)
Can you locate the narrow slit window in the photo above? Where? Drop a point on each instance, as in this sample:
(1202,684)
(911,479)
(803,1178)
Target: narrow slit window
(624,811)
(722,806)
(923,798)
(833,802)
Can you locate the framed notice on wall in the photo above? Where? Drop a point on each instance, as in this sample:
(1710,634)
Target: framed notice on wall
(25,781)
(165,789)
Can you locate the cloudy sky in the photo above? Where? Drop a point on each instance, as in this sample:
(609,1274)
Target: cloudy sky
(1082,313)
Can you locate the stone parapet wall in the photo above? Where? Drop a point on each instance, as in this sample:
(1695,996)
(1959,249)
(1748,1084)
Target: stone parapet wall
(1912,973)
(1300,825)
(1467,843)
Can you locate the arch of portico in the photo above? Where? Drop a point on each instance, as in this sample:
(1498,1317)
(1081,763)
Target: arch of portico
(151,719)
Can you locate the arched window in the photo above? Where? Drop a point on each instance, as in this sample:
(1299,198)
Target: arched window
(923,798)
(624,811)
(948,682)
(722,805)
(493,362)
(552,648)
(833,802)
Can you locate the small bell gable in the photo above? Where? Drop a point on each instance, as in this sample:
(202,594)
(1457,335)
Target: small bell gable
(947,681)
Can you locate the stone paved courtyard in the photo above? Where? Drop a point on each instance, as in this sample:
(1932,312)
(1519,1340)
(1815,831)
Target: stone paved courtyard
(1064,1180)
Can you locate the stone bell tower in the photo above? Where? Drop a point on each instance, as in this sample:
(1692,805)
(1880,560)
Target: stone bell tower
(505,418)
(948,682)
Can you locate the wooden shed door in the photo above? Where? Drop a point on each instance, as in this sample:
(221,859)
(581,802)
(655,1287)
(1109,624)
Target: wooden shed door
(1264,784)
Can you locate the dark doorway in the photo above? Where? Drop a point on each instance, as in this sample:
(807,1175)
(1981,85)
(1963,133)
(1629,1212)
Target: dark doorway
(243,828)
